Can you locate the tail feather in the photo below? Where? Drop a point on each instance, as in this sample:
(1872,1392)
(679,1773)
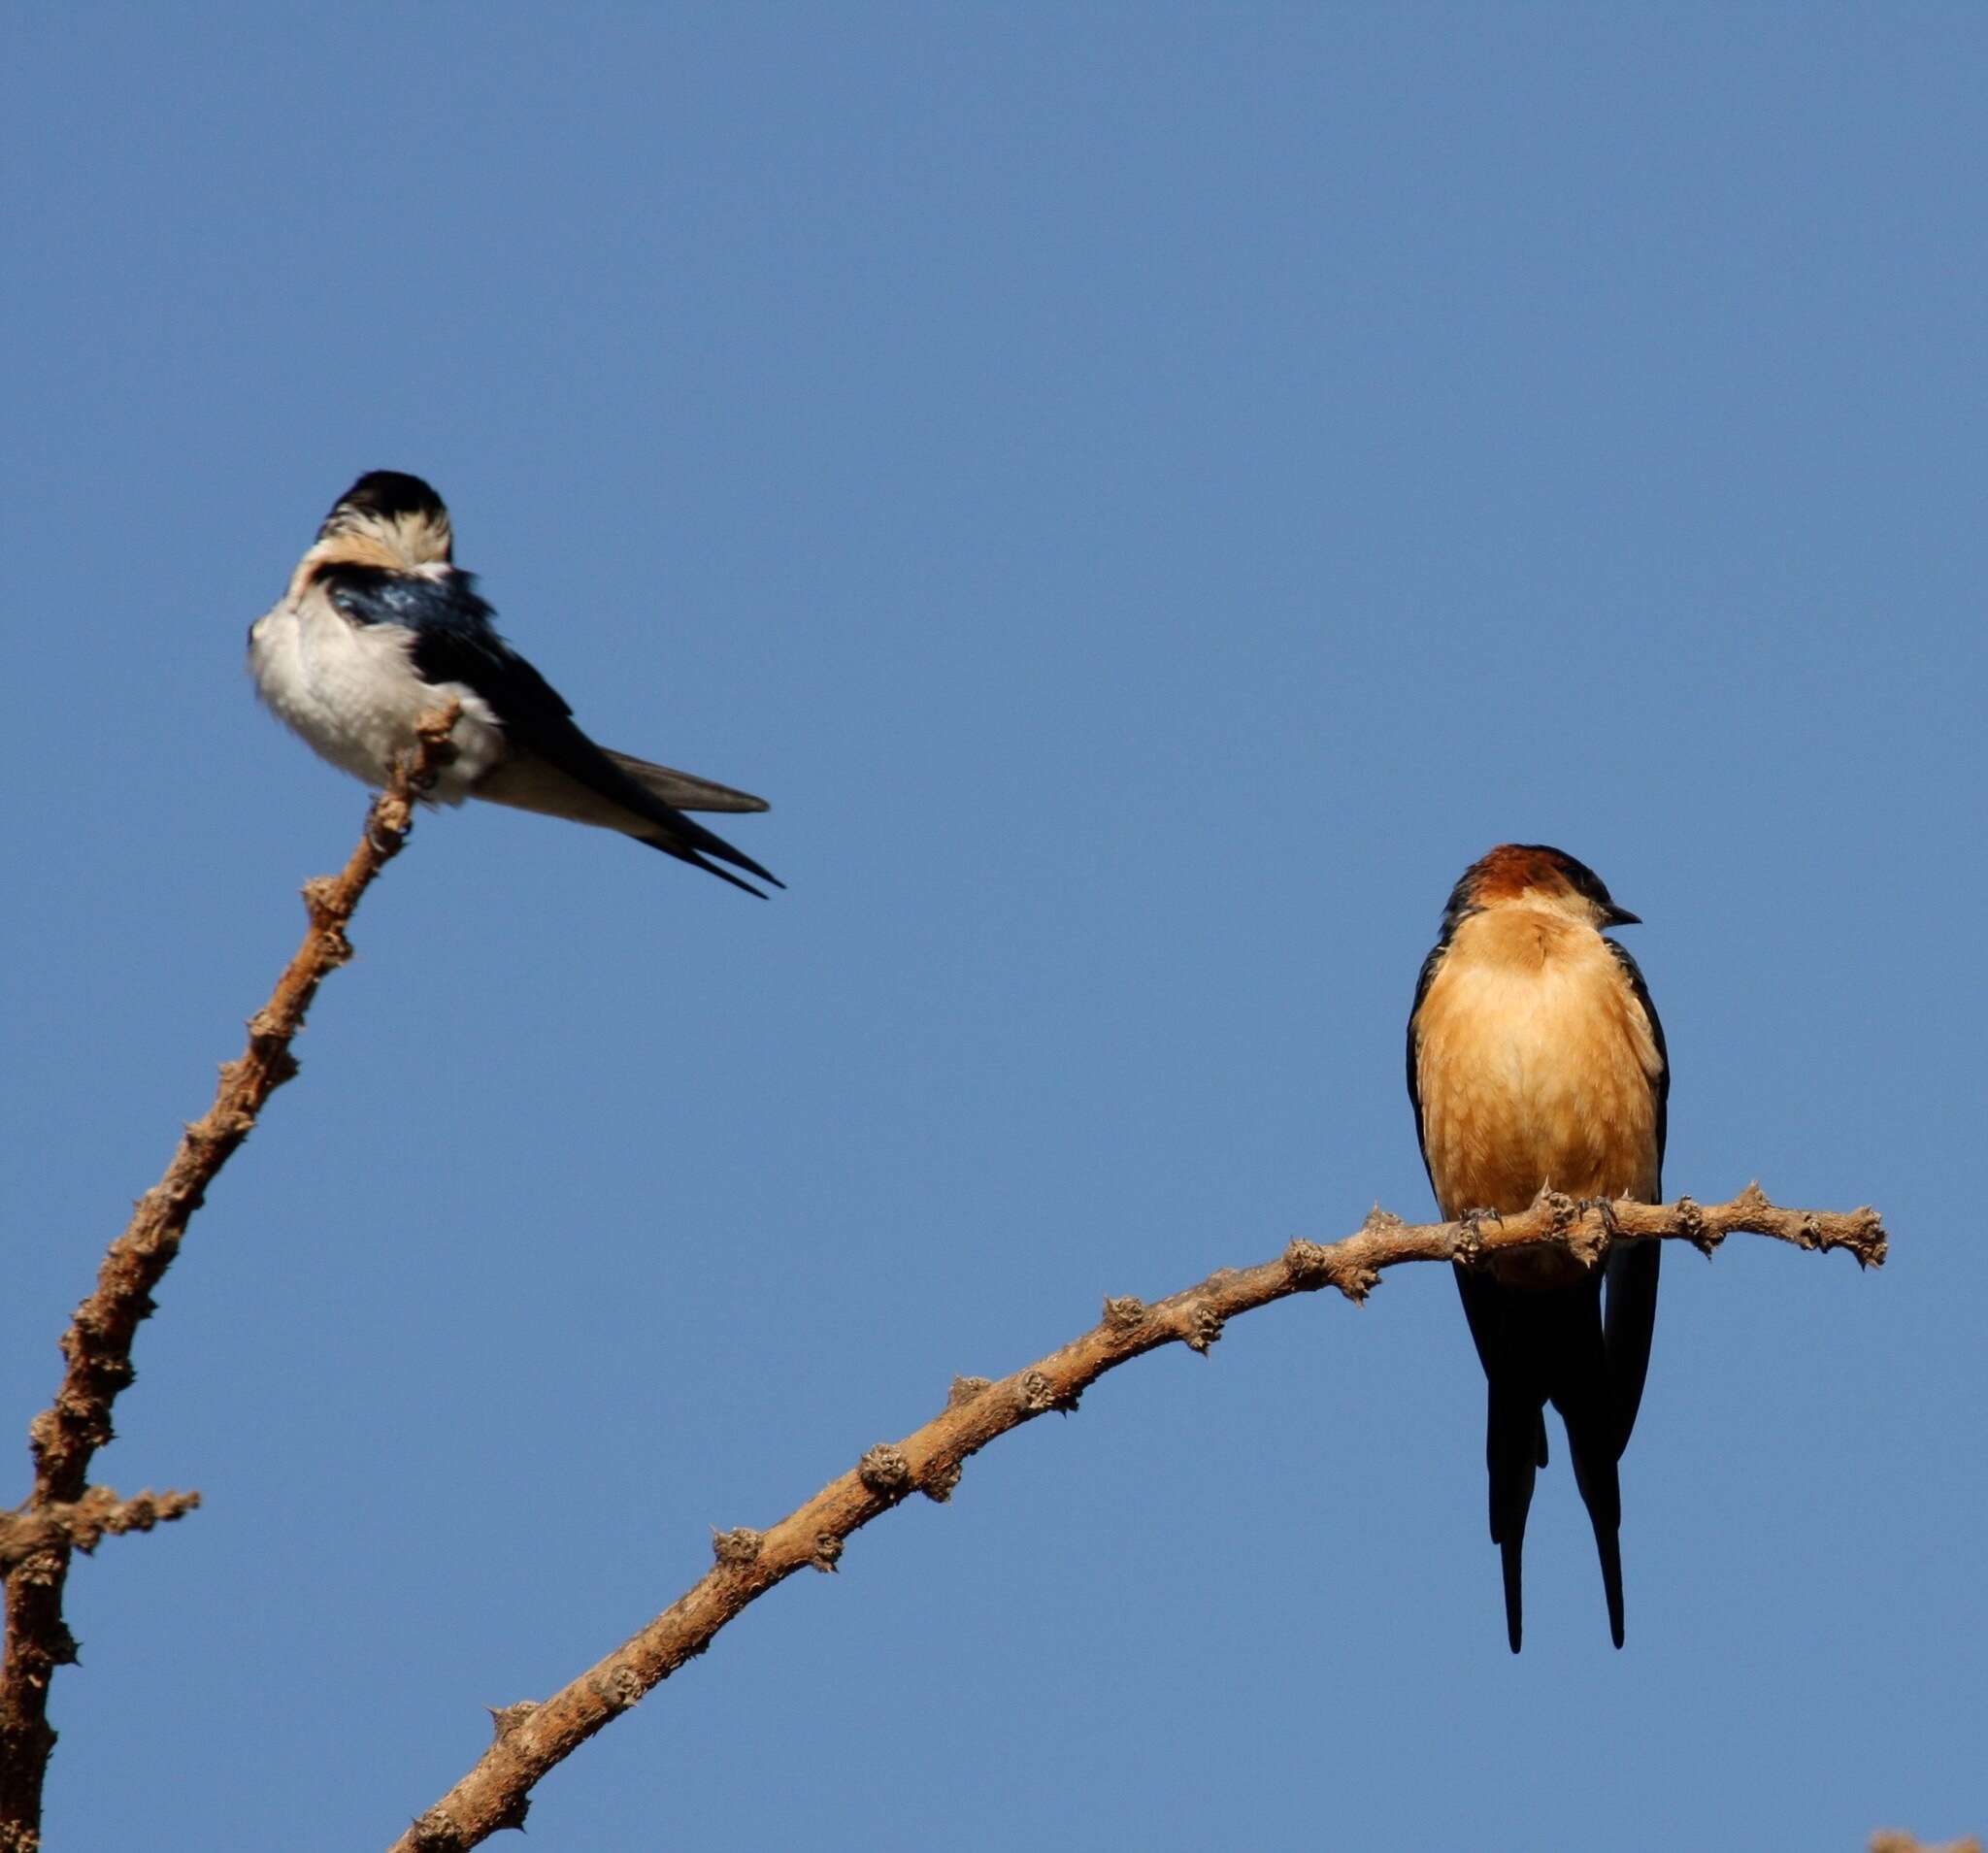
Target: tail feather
(683,790)
(1631,1321)
(1540,1345)
(691,842)
(1586,1397)
(593,788)
(1598,1493)
(1508,1554)
(683,853)
(1609,1545)
(1511,1430)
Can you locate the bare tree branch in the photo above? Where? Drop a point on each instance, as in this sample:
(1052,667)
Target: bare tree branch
(98,1514)
(533,1739)
(62,1509)
(64,1514)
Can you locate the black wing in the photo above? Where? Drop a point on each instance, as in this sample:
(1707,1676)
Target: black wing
(454,641)
(1424,978)
(1632,1316)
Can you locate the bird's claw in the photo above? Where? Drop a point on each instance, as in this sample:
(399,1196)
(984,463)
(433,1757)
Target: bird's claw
(1470,1244)
(1590,1249)
(1603,1207)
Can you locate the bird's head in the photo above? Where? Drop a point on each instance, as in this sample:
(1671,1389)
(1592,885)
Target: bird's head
(389,519)
(1532,874)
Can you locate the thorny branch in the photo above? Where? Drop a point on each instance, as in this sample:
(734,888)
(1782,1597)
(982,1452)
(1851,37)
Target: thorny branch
(531,1739)
(64,1513)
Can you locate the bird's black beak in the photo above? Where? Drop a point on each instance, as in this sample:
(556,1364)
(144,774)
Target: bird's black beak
(1621,917)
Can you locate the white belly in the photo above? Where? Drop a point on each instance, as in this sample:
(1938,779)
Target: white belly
(351,690)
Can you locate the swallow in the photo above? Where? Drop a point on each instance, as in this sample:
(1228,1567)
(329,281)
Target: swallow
(380,627)
(1536,1061)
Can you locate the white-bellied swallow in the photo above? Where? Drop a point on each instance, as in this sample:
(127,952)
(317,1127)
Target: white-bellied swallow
(1536,1061)
(380,627)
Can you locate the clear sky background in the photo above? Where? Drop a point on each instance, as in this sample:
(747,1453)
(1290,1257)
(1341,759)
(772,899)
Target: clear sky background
(1149,494)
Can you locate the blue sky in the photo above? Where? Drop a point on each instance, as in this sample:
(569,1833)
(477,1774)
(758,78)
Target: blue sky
(1149,494)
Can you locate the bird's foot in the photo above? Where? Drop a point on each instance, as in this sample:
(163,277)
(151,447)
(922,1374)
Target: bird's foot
(1470,1240)
(1590,1251)
(1603,1207)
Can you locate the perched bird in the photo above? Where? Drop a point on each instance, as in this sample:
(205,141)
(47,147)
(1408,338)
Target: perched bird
(380,627)
(1536,1061)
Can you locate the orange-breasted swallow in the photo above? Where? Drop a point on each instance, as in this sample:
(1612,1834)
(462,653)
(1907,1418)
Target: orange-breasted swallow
(1536,1061)
(380,627)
